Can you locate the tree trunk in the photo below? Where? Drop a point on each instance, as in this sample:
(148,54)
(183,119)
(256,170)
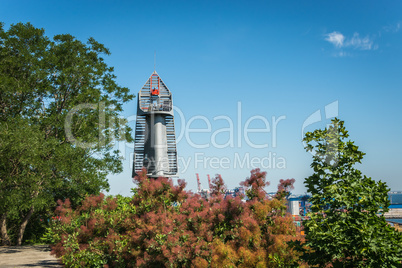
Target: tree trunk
(23,226)
(5,240)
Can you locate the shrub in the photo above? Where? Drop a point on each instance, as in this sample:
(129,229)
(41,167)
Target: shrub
(163,225)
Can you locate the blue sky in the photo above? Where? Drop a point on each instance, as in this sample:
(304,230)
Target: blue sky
(278,62)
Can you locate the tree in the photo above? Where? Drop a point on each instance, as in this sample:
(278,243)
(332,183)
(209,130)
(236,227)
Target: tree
(59,104)
(346,227)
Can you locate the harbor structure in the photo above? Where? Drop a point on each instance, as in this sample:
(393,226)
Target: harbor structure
(155,139)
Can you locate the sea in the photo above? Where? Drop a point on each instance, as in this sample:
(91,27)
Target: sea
(395,220)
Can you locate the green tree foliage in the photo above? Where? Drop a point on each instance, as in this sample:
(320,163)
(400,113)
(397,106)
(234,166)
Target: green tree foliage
(59,107)
(347,227)
(163,225)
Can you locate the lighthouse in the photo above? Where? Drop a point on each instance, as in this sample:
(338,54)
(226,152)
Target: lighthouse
(155,140)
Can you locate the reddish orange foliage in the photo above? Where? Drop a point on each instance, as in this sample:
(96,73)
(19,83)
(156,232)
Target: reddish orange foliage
(164,225)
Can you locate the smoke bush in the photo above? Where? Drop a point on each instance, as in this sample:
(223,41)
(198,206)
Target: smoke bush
(163,225)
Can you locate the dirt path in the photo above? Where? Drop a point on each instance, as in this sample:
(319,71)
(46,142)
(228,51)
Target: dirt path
(27,256)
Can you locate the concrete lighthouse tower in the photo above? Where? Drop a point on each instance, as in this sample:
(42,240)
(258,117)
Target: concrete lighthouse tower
(155,140)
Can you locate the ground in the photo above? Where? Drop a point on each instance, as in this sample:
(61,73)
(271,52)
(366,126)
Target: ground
(27,256)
